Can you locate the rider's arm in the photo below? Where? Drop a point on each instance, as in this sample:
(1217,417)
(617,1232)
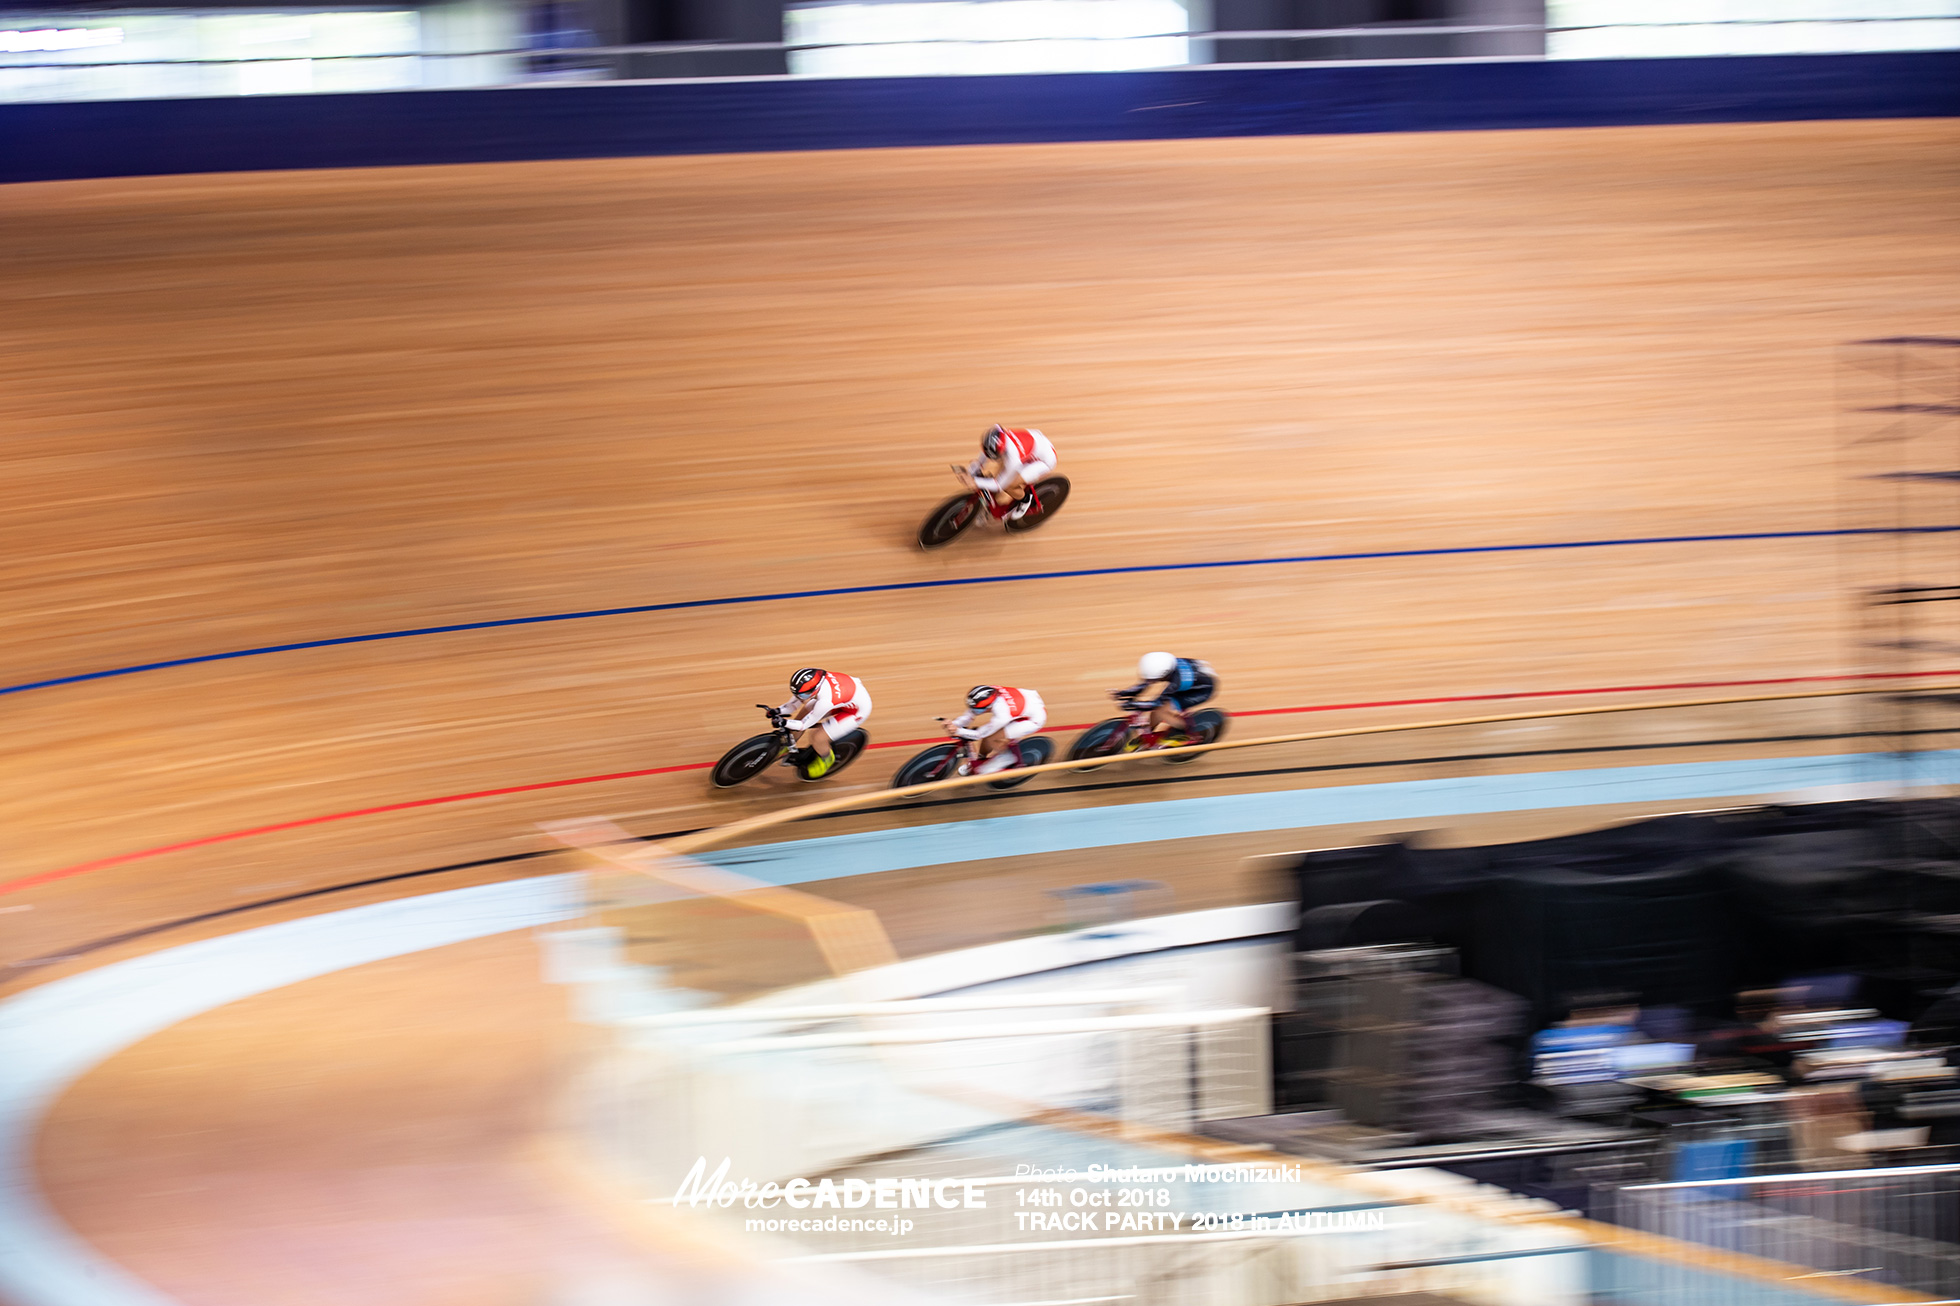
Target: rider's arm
(975,468)
(819,708)
(964,727)
(1131,695)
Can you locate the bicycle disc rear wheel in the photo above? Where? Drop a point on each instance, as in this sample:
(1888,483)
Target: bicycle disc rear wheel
(848,748)
(1051,494)
(1034,750)
(1206,727)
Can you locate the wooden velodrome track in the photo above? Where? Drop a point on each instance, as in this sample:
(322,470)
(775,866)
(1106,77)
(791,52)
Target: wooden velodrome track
(250,411)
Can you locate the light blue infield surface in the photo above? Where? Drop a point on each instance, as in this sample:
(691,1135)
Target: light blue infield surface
(807,860)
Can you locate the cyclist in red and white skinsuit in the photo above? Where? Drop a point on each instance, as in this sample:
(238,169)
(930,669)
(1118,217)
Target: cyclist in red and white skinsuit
(1012,459)
(828,705)
(996,716)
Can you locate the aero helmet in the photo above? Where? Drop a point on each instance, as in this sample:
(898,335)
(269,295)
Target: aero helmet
(990,443)
(1156,666)
(982,696)
(805,681)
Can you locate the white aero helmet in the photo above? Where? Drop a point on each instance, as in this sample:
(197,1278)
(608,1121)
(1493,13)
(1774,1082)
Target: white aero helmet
(1156,666)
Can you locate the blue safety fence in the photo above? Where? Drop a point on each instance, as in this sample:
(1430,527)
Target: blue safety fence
(134,137)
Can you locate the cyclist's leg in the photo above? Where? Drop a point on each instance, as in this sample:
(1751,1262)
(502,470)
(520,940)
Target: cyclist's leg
(1012,489)
(1004,754)
(1167,715)
(1179,705)
(851,716)
(1023,488)
(813,757)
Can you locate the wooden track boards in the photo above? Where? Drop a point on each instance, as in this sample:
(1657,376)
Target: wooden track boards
(260,409)
(264,409)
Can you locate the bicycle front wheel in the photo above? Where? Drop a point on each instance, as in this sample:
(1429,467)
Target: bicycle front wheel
(747,759)
(1100,740)
(949,520)
(936,763)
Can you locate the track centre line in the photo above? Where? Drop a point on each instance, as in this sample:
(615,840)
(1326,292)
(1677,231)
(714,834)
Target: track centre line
(898,586)
(229,836)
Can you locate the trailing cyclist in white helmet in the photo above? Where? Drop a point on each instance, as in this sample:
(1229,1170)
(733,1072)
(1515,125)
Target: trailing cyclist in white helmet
(1187,682)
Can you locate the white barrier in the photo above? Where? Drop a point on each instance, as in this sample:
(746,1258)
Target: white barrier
(881,1076)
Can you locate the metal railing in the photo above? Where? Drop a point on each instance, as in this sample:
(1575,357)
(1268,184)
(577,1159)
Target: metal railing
(80,62)
(1897,1225)
(1289,34)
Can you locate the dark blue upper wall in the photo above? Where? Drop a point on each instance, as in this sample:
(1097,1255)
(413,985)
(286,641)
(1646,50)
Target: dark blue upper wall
(123,138)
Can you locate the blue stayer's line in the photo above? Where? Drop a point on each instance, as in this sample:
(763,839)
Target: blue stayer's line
(895,586)
(806,860)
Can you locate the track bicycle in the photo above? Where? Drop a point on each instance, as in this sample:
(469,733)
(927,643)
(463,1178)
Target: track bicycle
(755,754)
(1133,733)
(958,757)
(954,517)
